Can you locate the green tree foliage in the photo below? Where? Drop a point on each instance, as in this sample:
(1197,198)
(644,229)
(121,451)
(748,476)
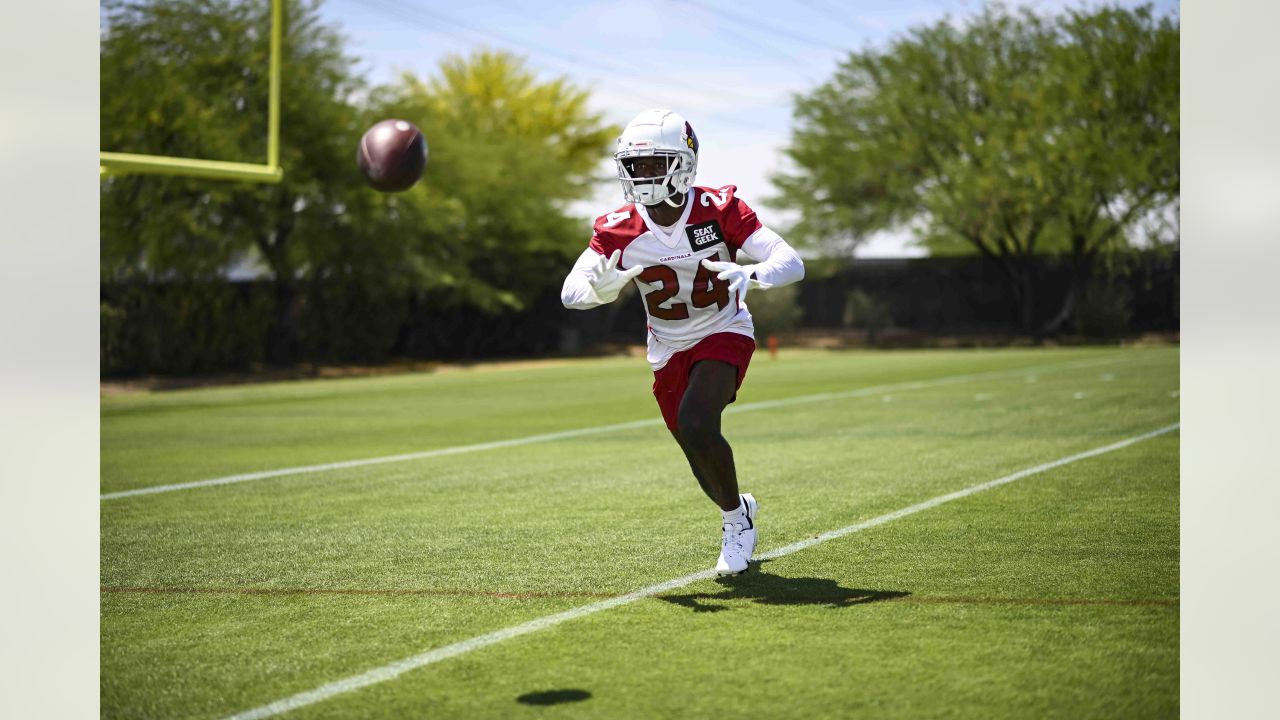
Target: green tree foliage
(487,227)
(189,78)
(1011,136)
(508,154)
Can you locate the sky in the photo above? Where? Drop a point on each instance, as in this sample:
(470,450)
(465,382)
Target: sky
(730,67)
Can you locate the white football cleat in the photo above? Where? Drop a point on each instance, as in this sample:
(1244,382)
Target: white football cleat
(739,541)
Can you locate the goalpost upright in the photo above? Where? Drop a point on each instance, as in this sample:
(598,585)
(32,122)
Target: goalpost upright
(117,163)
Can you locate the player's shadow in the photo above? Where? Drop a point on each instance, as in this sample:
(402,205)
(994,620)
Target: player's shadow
(554,697)
(767,589)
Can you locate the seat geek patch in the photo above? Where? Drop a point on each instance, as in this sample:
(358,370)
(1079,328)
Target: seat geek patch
(704,234)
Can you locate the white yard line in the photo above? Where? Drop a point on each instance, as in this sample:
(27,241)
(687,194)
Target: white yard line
(565,435)
(387,672)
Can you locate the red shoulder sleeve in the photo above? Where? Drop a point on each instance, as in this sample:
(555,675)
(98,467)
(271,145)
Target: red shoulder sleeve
(736,217)
(616,230)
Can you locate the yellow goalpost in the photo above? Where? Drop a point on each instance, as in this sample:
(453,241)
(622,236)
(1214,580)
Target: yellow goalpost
(116,163)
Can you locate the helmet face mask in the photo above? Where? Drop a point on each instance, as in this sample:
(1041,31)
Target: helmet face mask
(657,158)
(642,184)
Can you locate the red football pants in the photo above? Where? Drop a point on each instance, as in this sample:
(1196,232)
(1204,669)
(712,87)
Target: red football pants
(670,382)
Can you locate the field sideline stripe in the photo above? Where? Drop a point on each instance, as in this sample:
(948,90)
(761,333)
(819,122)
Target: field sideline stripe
(580,432)
(387,672)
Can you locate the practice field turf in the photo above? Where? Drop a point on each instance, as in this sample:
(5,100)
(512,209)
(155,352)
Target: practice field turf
(535,567)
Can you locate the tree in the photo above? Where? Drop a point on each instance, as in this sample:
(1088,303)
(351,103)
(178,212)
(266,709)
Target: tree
(1012,136)
(1119,81)
(189,78)
(508,154)
(487,227)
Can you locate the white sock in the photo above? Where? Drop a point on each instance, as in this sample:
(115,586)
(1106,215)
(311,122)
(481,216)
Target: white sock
(738,515)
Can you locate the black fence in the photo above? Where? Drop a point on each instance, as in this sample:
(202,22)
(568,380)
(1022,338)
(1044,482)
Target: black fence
(1136,293)
(199,328)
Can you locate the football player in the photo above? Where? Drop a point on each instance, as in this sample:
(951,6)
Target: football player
(683,246)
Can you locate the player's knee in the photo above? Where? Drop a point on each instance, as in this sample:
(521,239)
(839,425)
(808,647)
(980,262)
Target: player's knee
(697,427)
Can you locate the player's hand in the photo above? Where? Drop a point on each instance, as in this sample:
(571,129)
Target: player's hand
(607,280)
(738,276)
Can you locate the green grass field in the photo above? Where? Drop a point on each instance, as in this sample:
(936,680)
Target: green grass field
(1054,595)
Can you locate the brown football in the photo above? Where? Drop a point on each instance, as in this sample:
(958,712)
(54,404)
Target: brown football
(392,155)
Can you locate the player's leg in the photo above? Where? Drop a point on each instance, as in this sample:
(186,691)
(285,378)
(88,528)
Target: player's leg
(712,384)
(697,474)
(692,390)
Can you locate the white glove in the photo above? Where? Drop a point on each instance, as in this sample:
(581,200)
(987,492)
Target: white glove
(607,280)
(738,276)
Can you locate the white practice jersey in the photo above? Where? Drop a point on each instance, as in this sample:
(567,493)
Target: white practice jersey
(684,301)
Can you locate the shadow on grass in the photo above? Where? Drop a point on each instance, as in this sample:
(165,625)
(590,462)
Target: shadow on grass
(553,697)
(761,587)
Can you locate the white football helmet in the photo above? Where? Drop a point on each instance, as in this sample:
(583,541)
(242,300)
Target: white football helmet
(662,134)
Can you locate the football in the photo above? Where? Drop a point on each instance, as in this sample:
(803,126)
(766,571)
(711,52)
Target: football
(392,155)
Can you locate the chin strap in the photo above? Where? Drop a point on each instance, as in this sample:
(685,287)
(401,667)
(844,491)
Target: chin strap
(683,196)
